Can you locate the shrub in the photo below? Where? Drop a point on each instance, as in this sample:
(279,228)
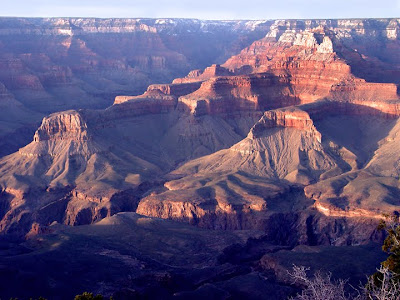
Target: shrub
(88,296)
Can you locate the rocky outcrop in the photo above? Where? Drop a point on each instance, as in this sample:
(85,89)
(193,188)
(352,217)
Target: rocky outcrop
(289,117)
(175,89)
(209,72)
(151,102)
(64,133)
(293,45)
(221,202)
(85,208)
(62,126)
(236,219)
(359,91)
(168,93)
(222,95)
(334,211)
(32,212)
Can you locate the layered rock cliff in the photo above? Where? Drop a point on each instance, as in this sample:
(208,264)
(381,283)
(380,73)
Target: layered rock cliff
(265,135)
(55,64)
(62,126)
(368,46)
(299,63)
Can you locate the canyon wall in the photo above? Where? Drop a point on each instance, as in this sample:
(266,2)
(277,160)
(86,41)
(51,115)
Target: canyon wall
(54,64)
(228,146)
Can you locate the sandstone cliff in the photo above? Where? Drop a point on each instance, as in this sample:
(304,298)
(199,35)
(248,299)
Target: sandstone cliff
(232,146)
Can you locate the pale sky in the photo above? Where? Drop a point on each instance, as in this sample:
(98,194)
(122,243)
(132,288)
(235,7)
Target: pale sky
(202,9)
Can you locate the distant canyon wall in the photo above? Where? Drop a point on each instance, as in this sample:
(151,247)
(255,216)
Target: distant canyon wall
(49,65)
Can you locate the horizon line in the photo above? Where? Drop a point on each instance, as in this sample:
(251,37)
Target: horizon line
(194,18)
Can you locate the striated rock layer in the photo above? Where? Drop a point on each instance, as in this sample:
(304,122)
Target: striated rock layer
(54,64)
(287,129)
(306,67)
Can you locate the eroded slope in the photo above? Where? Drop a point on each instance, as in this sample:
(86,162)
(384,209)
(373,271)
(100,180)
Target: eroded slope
(233,146)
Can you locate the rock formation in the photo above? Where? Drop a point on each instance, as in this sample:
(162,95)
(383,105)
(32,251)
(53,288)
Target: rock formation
(297,65)
(55,64)
(290,125)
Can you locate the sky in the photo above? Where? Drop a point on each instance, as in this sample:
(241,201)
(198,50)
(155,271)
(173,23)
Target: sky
(203,9)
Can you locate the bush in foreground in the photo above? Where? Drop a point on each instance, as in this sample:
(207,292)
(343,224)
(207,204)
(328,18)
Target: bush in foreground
(383,285)
(88,296)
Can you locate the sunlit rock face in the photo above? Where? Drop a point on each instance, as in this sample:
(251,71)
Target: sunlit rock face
(291,125)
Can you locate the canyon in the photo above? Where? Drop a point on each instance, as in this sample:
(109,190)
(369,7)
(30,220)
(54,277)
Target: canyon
(55,64)
(283,135)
